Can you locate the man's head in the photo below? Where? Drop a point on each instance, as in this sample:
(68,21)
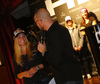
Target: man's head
(42,19)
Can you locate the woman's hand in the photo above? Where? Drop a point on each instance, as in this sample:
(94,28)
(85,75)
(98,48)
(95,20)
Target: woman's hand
(33,70)
(28,74)
(77,48)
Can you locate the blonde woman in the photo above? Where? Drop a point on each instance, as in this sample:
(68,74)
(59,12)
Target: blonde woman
(77,38)
(27,63)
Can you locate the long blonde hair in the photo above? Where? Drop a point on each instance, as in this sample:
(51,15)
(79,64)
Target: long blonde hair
(18,55)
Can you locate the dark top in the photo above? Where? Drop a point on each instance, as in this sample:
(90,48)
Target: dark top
(85,53)
(60,55)
(86,49)
(27,64)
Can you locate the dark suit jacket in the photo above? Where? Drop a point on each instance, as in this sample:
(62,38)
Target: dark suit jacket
(60,55)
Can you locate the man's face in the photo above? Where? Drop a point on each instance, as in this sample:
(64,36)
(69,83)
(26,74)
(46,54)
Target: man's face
(38,23)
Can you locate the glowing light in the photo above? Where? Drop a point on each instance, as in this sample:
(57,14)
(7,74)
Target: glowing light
(0,63)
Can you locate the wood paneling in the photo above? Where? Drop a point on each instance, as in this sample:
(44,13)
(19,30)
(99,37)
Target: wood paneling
(93,80)
(4,77)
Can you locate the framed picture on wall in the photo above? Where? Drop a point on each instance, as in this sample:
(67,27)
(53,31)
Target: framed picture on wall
(1,58)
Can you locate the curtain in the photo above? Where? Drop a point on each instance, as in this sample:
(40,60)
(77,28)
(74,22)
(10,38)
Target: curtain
(6,35)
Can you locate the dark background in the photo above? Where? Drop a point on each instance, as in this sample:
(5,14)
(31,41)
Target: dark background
(61,11)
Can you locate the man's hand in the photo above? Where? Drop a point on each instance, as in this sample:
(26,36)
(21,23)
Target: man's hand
(41,47)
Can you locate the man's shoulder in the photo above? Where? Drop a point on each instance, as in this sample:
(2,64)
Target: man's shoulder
(58,27)
(63,28)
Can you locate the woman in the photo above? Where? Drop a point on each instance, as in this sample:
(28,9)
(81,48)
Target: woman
(77,38)
(88,19)
(27,63)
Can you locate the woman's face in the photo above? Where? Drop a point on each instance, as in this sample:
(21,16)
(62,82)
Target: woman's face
(22,39)
(69,23)
(85,15)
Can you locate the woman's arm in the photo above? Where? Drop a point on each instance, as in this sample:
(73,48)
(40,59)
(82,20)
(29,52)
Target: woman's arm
(33,70)
(94,22)
(26,74)
(17,73)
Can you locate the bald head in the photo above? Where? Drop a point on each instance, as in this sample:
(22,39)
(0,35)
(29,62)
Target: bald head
(43,14)
(43,19)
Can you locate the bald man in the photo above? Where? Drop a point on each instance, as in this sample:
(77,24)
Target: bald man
(58,50)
